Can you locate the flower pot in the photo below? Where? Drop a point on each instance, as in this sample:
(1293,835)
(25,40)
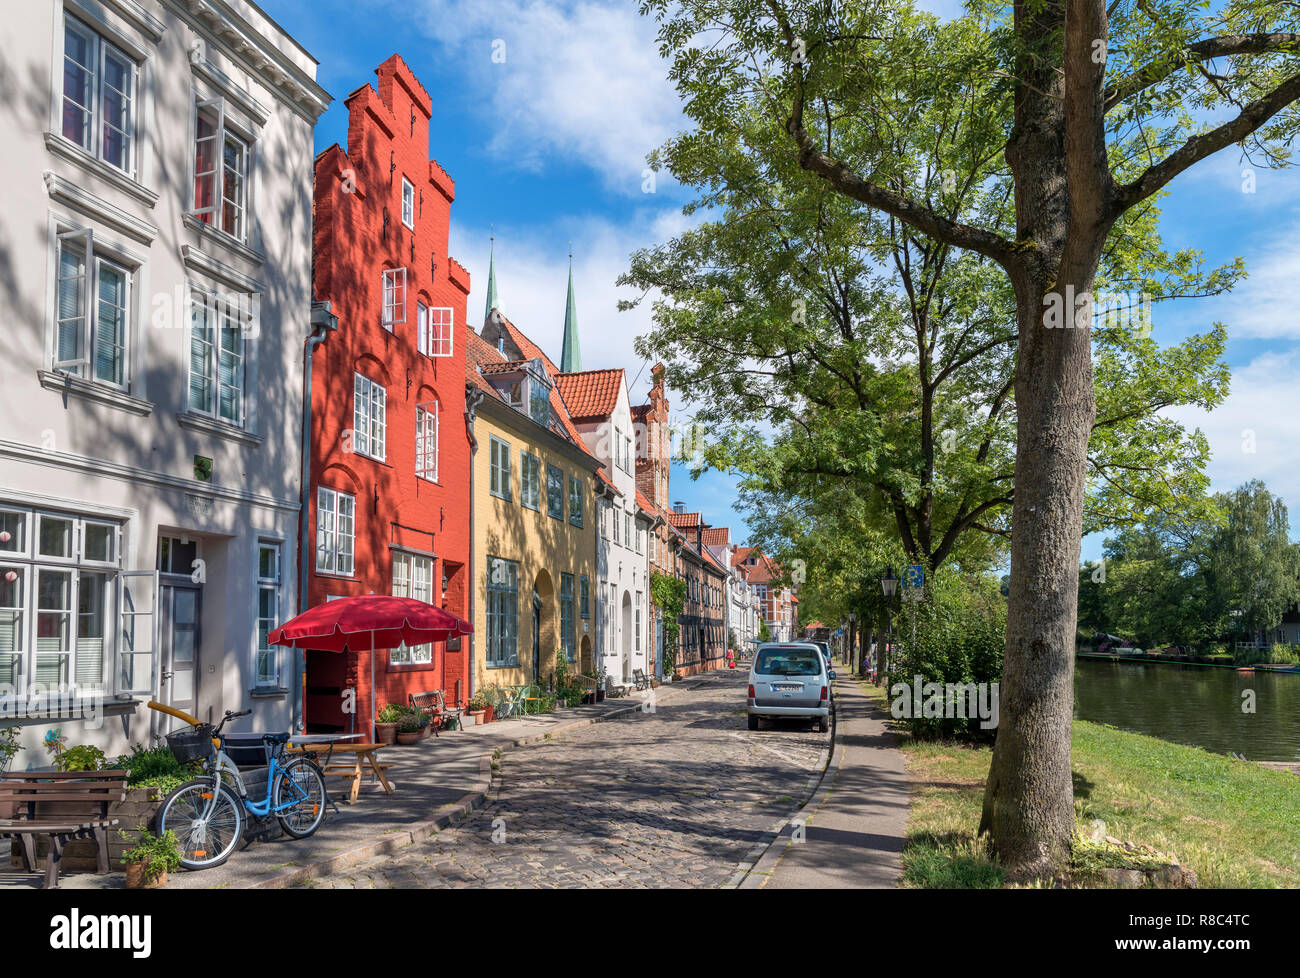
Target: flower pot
(137,880)
(407,737)
(478,716)
(386,733)
(489,714)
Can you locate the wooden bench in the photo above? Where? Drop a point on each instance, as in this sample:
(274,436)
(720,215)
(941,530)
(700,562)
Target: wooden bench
(362,755)
(435,704)
(79,800)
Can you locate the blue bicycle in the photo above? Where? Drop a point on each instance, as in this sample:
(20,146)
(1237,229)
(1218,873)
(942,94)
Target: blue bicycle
(207,814)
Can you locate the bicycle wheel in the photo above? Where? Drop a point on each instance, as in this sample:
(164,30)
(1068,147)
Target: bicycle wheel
(208,828)
(301,781)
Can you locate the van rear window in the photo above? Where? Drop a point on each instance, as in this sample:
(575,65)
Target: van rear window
(791,661)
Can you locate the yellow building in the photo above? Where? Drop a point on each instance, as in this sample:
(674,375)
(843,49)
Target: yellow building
(533,539)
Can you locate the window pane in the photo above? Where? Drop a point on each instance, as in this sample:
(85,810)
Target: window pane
(72,305)
(78,82)
(110,325)
(201,353)
(205,166)
(92,591)
(55,538)
(13,532)
(117,110)
(97,542)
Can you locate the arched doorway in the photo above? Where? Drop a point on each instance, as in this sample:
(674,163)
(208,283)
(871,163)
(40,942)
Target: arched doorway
(627,637)
(543,642)
(584,654)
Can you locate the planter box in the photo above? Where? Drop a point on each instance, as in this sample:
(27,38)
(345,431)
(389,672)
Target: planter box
(140,806)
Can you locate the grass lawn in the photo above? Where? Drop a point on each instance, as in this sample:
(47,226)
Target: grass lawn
(1235,823)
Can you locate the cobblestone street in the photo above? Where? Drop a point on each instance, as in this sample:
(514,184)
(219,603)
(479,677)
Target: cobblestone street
(670,798)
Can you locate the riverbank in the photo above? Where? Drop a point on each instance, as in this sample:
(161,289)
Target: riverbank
(1207,661)
(1233,822)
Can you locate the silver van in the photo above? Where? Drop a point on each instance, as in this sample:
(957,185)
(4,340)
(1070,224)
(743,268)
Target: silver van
(790,679)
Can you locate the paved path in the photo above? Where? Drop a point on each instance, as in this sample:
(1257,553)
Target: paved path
(853,828)
(673,798)
(438,774)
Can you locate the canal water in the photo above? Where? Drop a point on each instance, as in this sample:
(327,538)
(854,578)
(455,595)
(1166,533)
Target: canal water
(1194,705)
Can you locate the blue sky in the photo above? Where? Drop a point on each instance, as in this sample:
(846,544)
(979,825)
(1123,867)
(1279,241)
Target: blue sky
(547,147)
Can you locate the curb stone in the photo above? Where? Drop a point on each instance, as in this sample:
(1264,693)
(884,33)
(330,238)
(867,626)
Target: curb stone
(468,803)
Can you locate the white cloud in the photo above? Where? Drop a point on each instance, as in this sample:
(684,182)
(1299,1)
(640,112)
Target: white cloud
(1265,305)
(1254,433)
(579,81)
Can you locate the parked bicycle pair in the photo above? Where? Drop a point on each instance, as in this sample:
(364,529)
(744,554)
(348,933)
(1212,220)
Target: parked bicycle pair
(209,814)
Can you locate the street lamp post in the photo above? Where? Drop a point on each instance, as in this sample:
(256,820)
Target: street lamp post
(888,585)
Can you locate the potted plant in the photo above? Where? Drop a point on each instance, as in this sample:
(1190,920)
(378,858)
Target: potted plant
(477,707)
(409,726)
(153,857)
(386,723)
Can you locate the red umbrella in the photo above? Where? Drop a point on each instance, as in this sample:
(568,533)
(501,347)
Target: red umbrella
(369,621)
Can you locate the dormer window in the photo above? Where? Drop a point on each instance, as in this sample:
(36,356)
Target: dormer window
(527,390)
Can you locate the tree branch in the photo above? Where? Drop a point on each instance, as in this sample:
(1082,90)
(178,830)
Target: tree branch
(1197,148)
(1206,50)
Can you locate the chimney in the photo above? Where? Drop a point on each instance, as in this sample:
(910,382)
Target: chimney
(679,507)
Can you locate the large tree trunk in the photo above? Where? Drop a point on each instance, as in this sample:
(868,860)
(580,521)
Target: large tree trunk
(1057,154)
(1029,800)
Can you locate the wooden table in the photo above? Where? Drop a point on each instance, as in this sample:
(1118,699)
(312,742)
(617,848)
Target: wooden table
(362,755)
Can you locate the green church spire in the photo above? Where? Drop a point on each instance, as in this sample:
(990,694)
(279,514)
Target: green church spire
(492,281)
(571,358)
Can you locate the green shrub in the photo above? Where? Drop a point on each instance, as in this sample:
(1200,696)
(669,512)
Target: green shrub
(960,638)
(9,747)
(155,767)
(1284,654)
(1280,654)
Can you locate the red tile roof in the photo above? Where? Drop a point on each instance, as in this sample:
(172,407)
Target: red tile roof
(716,536)
(590,394)
(684,520)
(645,503)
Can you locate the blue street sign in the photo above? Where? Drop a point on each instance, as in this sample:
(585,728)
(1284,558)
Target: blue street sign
(914,576)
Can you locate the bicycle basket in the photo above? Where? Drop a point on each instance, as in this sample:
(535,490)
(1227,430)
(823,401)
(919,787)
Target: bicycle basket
(194,744)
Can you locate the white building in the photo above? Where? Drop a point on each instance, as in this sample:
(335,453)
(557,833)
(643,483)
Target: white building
(742,606)
(156,246)
(598,403)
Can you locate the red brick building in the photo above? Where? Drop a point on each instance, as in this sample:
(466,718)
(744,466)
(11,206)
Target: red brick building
(390,455)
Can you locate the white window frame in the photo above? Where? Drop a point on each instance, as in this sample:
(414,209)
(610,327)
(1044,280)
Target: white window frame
(412,578)
(92,136)
(369,417)
(220,307)
(393,288)
(499,467)
(436,329)
(531,500)
(426,441)
(86,320)
(213,213)
(330,535)
(270,586)
(408,203)
(28,565)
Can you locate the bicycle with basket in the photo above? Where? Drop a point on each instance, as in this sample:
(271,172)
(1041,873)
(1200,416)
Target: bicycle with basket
(210,813)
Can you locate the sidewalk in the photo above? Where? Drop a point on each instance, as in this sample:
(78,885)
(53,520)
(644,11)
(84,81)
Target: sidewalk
(853,826)
(434,781)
